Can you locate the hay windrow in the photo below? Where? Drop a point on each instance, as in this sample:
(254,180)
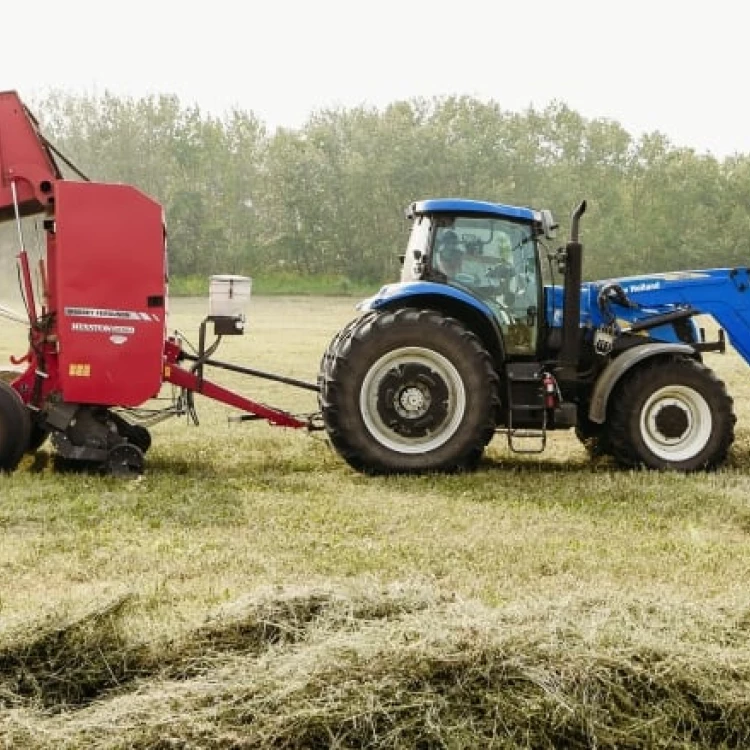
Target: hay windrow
(64,662)
(430,673)
(61,661)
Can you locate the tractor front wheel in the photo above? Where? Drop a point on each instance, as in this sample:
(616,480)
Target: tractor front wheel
(672,414)
(593,437)
(409,391)
(15,428)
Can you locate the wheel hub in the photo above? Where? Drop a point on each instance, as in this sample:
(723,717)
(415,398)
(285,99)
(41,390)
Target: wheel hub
(412,400)
(676,423)
(672,421)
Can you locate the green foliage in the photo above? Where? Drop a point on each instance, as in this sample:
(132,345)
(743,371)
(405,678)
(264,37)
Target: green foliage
(280,282)
(327,200)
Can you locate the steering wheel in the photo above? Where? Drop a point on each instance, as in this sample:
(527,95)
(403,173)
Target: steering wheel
(503,271)
(487,293)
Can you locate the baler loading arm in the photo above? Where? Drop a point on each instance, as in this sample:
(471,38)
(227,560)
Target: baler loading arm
(28,169)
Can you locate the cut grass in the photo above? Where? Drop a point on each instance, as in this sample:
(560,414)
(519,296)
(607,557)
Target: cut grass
(252,591)
(387,668)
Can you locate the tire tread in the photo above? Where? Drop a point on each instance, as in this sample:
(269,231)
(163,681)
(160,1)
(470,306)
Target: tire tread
(339,367)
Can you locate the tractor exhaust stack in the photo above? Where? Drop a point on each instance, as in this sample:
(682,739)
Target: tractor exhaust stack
(569,354)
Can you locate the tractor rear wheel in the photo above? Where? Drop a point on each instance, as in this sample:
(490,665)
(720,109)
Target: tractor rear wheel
(15,428)
(335,344)
(409,391)
(672,414)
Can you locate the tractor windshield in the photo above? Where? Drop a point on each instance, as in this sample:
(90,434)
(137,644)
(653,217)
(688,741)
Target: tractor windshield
(491,258)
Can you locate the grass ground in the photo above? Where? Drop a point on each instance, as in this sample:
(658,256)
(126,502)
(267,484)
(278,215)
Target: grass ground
(250,590)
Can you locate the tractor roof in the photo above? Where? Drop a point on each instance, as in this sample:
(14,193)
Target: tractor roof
(461,206)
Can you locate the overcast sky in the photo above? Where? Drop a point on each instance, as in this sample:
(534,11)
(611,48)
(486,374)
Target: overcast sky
(679,67)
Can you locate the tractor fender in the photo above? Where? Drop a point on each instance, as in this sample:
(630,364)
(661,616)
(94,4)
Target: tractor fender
(451,302)
(403,293)
(622,364)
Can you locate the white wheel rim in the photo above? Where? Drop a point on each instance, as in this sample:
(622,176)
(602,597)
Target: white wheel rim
(676,423)
(412,400)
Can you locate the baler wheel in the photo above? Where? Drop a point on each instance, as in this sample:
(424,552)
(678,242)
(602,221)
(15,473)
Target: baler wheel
(409,391)
(125,460)
(37,437)
(15,428)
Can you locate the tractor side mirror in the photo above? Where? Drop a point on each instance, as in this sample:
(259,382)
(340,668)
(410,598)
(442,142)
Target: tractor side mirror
(549,225)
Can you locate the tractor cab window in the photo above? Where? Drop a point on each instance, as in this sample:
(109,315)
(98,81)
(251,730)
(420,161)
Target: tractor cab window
(495,260)
(413,265)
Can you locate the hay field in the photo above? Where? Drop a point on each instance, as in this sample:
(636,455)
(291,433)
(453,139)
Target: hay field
(251,591)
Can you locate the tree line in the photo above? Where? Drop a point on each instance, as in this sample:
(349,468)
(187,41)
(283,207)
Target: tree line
(328,199)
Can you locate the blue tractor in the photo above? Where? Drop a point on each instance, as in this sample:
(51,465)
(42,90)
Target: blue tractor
(476,339)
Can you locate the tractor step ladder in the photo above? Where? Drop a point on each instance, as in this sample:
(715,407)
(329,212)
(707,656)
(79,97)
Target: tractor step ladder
(526,407)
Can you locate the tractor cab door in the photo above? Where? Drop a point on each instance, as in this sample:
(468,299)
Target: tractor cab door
(495,260)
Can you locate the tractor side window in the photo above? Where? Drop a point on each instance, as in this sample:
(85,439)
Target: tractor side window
(416,250)
(512,284)
(449,253)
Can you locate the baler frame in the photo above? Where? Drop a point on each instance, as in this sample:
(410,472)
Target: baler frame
(90,359)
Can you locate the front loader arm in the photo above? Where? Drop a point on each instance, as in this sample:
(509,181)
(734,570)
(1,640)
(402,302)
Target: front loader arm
(722,293)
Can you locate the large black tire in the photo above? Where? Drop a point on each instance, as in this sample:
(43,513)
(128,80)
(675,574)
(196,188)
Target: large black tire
(593,436)
(409,391)
(15,428)
(326,361)
(37,434)
(671,413)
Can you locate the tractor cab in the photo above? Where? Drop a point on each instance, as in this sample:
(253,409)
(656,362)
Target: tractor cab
(488,251)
